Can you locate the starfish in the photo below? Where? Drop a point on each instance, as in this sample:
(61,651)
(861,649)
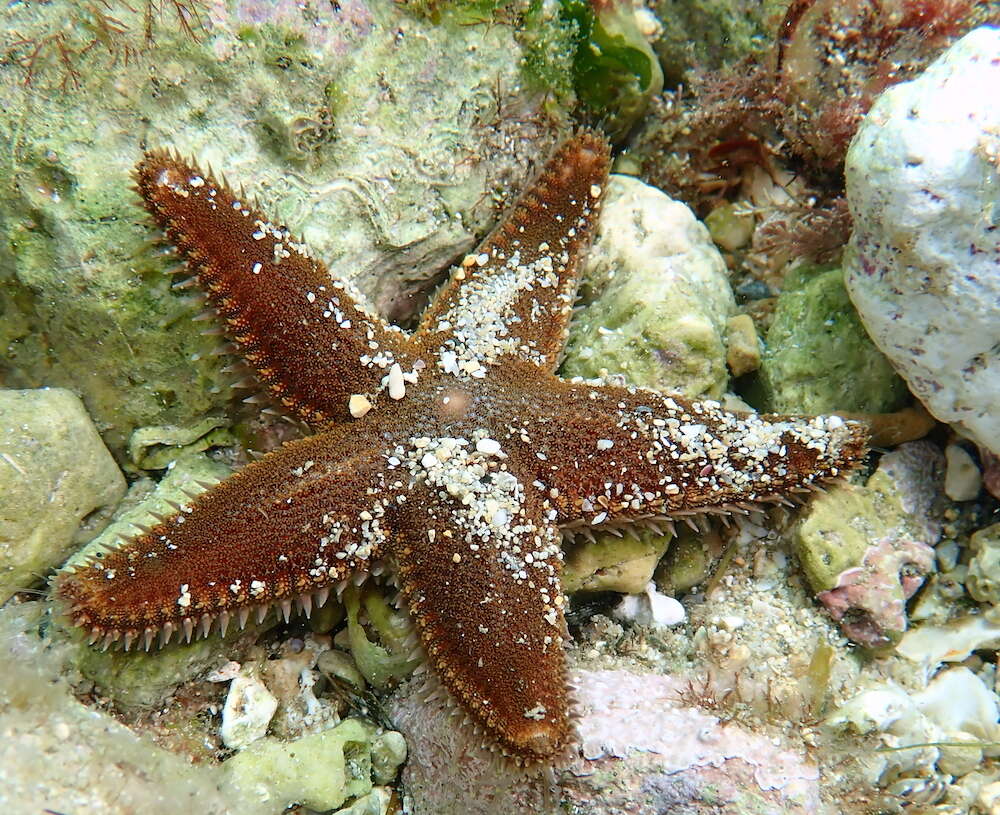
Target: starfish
(453,454)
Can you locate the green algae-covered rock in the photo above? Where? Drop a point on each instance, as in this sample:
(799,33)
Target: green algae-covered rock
(137,678)
(708,34)
(685,565)
(320,771)
(866,549)
(365,129)
(393,659)
(983,579)
(655,296)
(58,483)
(153,448)
(612,563)
(818,358)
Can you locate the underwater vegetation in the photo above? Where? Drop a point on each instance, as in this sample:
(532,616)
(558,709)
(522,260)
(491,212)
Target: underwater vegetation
(98,27)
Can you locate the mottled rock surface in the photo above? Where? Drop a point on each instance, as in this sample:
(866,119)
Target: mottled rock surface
(375,134)
(642,751)
(923,182)
(866,549)
(655,297)
(817,357)
(58,483)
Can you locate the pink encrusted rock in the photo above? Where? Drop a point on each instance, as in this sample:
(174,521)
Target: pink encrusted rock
(869,600)
(641,751)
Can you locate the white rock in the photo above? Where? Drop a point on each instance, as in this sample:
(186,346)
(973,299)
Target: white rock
(247,712)
(931,645)
(650,608)
(962,480)
(959,702)
(923,268)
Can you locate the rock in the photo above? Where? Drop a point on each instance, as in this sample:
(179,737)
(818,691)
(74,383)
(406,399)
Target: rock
(650,608)
(153,448)
(924,263)
(686,564)
(709,34)
(641,751)
(817,357)
(869,601)
(962,479)
(865,550)
(930,645)
(952,723)
(389,659)
(58,483)
(743,347)
(388,755)
(59,755)
(313,107)
(730,226)
(375,802)
(655,297)
(247,712)
(320,771)
(983,578)
(339,665)
(959,703)
(612,563)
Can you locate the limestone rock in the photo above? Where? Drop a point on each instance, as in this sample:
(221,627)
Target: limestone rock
(655,297)
(58,483)
(817,357)
(983,579)
(247,712)
(866,549)
(923,182)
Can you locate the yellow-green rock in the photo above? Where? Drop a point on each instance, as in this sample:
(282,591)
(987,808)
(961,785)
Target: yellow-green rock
(612,563)
(319,771)
(817,356)
(685,565)
(58,483)
(983,579)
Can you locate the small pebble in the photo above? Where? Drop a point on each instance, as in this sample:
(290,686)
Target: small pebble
(962,479)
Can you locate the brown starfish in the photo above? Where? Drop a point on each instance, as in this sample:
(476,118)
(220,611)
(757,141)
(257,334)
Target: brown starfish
(455,452)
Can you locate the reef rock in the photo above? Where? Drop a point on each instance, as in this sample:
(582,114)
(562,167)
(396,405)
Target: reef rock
(866,549)
(655,297)
(641,751)
(818,358)
(58,483)
(923,182)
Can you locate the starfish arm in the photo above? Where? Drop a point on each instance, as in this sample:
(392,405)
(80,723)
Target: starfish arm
(303,332)
(514,295)
(607,454)
(480,573)
(281,530)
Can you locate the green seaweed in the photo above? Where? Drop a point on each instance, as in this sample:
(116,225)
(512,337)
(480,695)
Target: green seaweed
(384,664)
(615,72)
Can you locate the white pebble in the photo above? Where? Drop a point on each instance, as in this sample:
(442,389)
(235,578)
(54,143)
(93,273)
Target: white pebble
(397,386)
